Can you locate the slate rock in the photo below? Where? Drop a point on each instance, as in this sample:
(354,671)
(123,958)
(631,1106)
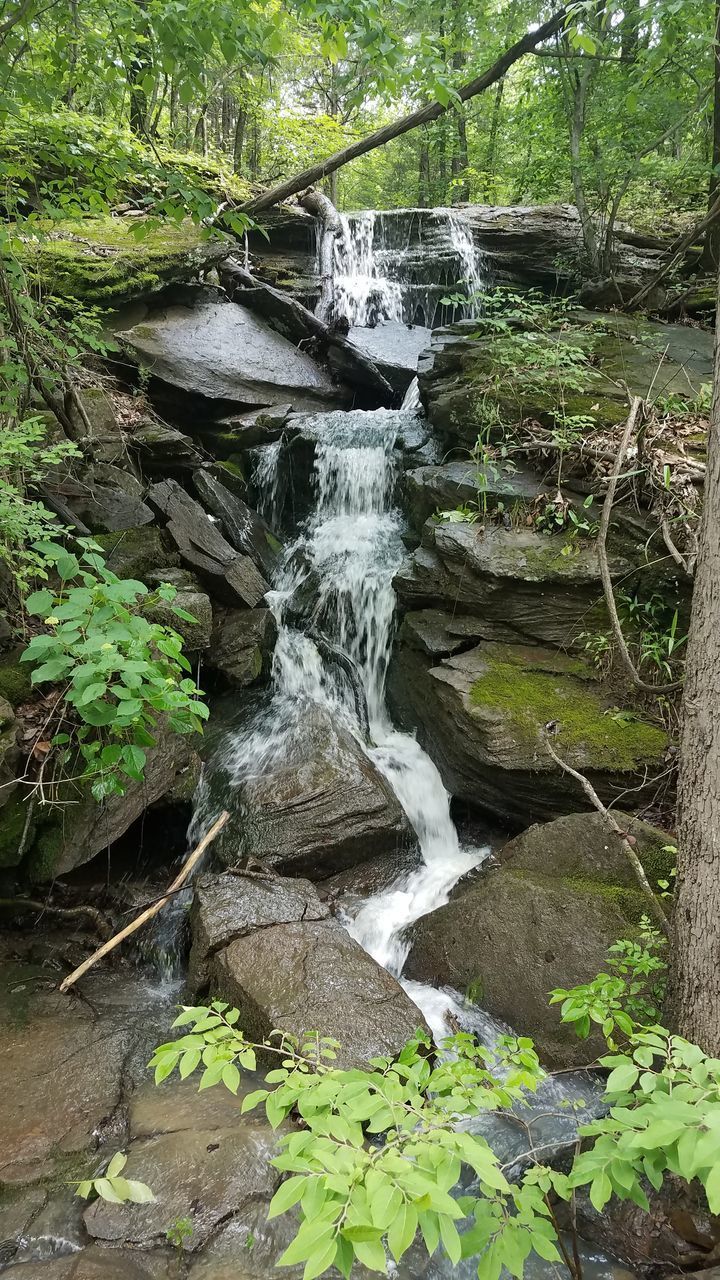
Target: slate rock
(242,645)
(223,352)
(243,527)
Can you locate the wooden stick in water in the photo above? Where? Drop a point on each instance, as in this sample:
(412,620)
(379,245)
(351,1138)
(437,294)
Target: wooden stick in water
(148,914)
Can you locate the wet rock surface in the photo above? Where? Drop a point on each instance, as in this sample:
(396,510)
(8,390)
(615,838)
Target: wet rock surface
(312,976)
(242,644)
(324,808)
(222,352)
(568,890)
(481,714)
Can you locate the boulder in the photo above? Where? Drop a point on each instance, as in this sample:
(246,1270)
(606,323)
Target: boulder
(138,553)
(231,577)
(312,976)
(257,427)
(196,635)
(466,389)
(243,527)
(71,836)
(231,906)
(480,716)
(163,450)
(224,353)
(242,645)
(513,579)
(563,893)
(322,808)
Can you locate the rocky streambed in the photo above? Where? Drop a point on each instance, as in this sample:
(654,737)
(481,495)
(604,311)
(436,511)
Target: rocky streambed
(375,674)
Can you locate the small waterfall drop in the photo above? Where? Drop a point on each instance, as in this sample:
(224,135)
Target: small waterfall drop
(398,267)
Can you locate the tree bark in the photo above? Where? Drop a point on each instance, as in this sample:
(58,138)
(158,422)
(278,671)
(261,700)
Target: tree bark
(433,111)
(318,204)
(695,976)
(711,252)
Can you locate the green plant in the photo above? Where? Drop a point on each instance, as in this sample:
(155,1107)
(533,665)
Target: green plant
(111,1186)
(119,671)
(25,457)
(379,1151)
(666,886)
(654,623)
(179,1232)
(464,514)
(632,992)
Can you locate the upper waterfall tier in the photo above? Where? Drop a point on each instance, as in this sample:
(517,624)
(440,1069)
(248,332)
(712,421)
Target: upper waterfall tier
(400,265)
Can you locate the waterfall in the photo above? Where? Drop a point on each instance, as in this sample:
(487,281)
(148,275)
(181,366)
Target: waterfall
(349,551)
(397,267)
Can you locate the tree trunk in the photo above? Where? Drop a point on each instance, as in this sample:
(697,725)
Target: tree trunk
(580,81)
(239,139)
(424,172)
(489,186)
(433,111)
(695,985)
(140,62)
(711,251)
(318,204)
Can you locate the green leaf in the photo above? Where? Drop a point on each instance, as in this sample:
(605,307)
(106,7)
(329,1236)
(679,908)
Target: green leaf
(287,1194)
(39,603)
(371,1254)
(402,1231)
(622,1078)
(116,1165)
(231,1077)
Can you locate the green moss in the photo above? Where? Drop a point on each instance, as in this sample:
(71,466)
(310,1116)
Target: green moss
(531,698)
(15,684)
(475,991)
(13,817)
(630,902)
(101,260)
(134,553)
(40,865)
(274,543)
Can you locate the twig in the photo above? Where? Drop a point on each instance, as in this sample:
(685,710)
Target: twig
(148,914)
(627,840)
(601,545)
(59,913)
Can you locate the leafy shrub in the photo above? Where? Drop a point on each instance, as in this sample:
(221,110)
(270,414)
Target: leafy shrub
(25,521)
(380,1153)
(120,672)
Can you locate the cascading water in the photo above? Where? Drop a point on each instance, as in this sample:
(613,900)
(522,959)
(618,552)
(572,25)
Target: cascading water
(398,267)
(350,549)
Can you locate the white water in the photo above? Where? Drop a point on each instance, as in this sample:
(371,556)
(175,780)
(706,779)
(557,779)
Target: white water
(377,263)
(348,552)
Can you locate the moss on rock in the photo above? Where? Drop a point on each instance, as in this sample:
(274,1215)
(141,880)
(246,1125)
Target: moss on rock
(13,823)
(136,553)
(103,261)
(530,697)
(15,683)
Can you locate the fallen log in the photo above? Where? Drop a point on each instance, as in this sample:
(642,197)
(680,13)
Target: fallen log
(148,914)
(433,111)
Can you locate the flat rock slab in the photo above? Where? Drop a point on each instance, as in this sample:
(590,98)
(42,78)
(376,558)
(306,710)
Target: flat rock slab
(394,348)
(224,352)
(201,1175)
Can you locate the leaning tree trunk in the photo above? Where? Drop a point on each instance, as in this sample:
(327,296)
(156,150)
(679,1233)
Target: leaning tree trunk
(423,115)
(330,226)
(695,984)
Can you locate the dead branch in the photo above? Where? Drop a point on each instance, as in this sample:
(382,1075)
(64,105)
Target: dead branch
(85,912)
(676,256)
(627,840)
(148,914)
(601,545)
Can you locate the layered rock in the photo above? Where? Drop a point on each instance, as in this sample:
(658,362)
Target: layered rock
(544,918)
(224,354)
(468,390)
(516,580)
(481,714)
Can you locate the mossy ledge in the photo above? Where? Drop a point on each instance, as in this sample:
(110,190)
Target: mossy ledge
(106,262)
(530,698)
